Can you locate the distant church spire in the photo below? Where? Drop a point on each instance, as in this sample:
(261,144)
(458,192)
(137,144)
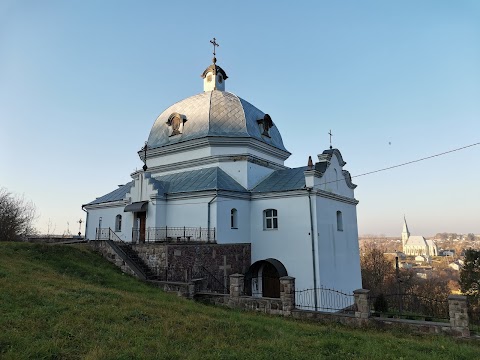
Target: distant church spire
(214,76)
(405,232)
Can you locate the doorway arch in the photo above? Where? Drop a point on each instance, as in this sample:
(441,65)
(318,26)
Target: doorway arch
(263,278)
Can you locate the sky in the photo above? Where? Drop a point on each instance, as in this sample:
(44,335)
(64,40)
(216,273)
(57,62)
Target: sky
(82,82)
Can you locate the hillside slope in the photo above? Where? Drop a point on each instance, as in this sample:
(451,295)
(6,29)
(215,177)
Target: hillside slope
(67,302)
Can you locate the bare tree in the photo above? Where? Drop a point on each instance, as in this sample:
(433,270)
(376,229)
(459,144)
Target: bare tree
(378,273)
(16,216)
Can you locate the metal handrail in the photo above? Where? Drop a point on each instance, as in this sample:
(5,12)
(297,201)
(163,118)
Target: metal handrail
(178,233)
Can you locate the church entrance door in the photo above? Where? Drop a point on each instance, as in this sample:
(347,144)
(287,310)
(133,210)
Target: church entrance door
(270,281)
(142,217)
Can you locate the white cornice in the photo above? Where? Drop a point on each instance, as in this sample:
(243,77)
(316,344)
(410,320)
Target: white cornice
(208,160)
(110,204)
(209,194)
(329,195)
(302,192)
(216,141)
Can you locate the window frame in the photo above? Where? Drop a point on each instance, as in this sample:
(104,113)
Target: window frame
(118,223)
(271,218)
(339,221)
(234,219)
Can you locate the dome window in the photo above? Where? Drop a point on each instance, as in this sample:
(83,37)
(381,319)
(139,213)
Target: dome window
(265,125)
(176,122)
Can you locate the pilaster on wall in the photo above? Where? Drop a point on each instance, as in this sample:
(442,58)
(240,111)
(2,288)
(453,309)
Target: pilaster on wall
(287,294)
(237,285)
(458,312)
(362,303)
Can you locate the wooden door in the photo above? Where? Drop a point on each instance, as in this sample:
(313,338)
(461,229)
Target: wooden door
(142,216)
(270,281)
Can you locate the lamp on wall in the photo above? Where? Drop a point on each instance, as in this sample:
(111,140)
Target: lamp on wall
(145,157)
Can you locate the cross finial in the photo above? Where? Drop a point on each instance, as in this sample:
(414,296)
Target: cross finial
(215,44)
(330,133)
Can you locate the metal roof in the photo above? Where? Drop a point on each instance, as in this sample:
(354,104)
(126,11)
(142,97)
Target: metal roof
(283,180)
(115,195)
(212,178)
(136,206)
(213,113)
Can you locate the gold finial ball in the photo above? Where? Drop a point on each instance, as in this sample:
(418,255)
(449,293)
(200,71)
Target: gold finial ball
(214,60)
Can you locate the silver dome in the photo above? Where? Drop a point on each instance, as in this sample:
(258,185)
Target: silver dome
(213,114)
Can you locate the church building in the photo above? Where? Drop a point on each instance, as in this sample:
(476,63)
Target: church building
(417,245)
(214,173)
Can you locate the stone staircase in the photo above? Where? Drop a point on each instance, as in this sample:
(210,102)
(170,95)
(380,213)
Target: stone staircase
(137,260)
(128,255)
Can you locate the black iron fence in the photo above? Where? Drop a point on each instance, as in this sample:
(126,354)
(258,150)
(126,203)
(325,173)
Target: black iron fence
(169,233)
(211,282)
(324,299)
(409,306)
(205,279)
(106,234)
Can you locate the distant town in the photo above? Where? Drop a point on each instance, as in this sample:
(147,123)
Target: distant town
(444,265)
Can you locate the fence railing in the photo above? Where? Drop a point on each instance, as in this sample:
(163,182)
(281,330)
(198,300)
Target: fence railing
(324,299)
(168,233)
(409,306)
(105,234)
(211,282)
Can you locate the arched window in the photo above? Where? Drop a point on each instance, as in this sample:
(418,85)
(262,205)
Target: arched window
(118,223)
(233,219)
(336,179)
(339,221)
(270,220)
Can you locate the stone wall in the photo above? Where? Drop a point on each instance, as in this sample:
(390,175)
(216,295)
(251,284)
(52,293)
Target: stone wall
(108,253)
(183,261)
(285,305)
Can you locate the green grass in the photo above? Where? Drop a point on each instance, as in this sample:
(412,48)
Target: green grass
(67,302)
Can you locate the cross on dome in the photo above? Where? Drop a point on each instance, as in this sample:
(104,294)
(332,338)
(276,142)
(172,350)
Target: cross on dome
(214,76)
(215,44)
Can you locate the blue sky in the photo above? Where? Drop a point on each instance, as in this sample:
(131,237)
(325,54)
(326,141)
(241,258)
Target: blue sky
(82,82)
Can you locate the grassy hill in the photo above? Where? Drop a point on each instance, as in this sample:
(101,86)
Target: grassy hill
(67,302)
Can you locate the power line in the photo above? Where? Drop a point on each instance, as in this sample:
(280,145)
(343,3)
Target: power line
(356,176)
(418,160)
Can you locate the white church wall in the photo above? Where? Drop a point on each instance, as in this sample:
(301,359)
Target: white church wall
(237,170)
(338,251)
(242,150)
(190,212)
(206,151)
(160,213)
(108,216)
(291,242)
(176,157)
(245,173)
(334,181)
(256,173)
(151,218)
(225,232)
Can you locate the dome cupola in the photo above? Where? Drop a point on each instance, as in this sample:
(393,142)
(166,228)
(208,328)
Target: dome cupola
(214,76)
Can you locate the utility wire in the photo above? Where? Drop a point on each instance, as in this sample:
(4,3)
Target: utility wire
(418,160)
(356,176)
